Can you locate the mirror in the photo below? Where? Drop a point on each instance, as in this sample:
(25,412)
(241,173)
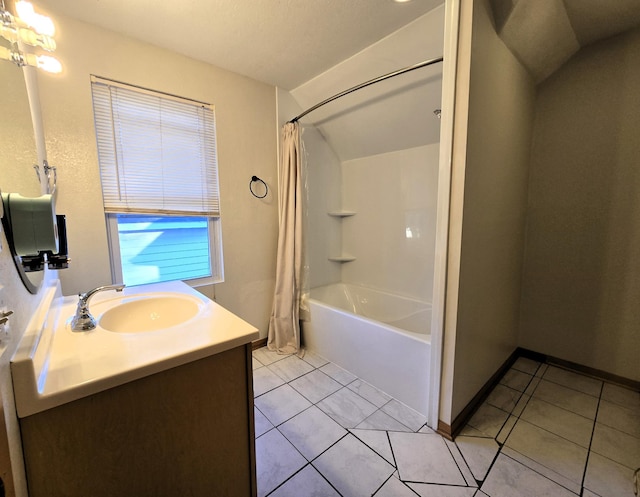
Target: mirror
(17,147)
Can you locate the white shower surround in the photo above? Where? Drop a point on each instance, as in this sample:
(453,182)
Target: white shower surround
(394,245)
(390,358)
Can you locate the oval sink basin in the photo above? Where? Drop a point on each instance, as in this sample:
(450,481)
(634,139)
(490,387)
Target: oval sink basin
(150,313)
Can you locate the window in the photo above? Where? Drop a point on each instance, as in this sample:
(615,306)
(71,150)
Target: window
(159,177)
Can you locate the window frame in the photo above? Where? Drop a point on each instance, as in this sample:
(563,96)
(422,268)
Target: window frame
(214,219)
(215,245)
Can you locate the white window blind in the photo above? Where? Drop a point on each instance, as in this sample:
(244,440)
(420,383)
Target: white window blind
(157,152)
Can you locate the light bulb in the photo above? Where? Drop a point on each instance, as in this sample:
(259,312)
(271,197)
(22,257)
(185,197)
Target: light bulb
(42,24)
(44,62)
(48,63)
(25,10)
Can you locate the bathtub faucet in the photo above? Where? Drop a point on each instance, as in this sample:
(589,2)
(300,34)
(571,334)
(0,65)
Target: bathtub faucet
(83,320)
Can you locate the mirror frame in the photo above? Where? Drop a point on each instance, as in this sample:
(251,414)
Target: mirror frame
(17,260)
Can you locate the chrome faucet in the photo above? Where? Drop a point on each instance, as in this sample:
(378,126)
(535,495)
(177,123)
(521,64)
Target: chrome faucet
(83,320)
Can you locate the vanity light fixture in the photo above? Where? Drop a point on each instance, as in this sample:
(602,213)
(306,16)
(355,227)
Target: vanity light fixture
(32,29)
(44,62)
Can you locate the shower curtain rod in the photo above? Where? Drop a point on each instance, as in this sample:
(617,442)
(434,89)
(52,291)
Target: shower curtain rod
(424,63)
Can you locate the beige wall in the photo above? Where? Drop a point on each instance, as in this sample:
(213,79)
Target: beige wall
(582,268)
(489,190)
(246,138)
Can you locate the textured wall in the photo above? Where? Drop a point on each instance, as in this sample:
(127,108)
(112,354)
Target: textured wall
(489,190)
(582,268)
(246,138)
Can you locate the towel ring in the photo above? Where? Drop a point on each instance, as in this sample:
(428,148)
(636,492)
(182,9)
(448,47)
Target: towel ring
(253,180)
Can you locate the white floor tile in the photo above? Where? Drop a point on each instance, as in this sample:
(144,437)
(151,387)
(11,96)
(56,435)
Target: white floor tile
(544,452)
(506,429)
(426,429)
(347,408)
(504,398)
(276,461)
(290,368)
(542,370)
(426,490)
(266,356)
(488,419)
(306,483)
(281,404)
(608,478)
(377,397)
(516,379)
(315,386)
(314,359)
(353,468)
(312,432)
(621,418)
(551,451)
(342,376)
(622,396)
(542,470)
(380,420)
(509,478)
(520,406)
(567,398)
(526,365)
(264,380)
(378,441)
(407,416)
(424,458)
(394,488)
(576,381)
(470,431)
(533,384)
(566,424)
(479,454)
(262,424)
(462,464)
(616,445)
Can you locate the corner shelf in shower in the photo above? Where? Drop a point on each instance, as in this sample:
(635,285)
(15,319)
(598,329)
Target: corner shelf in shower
(342,258)
(341,213)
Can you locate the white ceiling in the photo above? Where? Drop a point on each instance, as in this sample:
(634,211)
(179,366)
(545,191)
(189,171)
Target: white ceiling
(281,42)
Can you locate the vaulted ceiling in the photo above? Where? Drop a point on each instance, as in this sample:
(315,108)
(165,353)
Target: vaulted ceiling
(544,34)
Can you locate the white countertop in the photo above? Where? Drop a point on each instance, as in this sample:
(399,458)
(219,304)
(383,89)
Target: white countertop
(54,365)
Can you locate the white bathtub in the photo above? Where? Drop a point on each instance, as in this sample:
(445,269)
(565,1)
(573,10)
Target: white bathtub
(382,338)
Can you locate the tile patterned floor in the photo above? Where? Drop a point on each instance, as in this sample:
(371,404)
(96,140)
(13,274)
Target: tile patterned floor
(543,431)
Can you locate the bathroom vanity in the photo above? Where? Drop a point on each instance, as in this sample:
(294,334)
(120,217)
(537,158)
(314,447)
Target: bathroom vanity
(166,411)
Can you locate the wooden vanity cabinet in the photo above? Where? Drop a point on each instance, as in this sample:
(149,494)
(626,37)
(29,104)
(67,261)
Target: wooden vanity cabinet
(187,431)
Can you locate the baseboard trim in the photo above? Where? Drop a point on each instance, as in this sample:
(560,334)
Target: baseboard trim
(469,410)
(451,431)
(587,370)
(259,343)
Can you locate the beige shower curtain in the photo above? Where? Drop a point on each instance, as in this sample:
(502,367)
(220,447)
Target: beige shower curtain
(284,325)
